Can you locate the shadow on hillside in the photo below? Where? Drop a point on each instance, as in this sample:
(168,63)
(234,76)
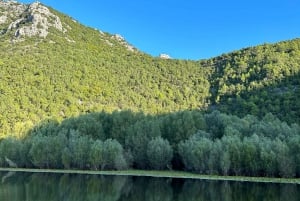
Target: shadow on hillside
(132,130)
(281,98)
(75,141)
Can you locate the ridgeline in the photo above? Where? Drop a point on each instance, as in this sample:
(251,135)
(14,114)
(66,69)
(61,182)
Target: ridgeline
(61,81)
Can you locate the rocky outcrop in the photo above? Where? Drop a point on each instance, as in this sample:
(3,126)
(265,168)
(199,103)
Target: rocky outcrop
(11,9)
(118,37)
(3,19)
(29,20)
(164,56)
(18,21)
(123,42)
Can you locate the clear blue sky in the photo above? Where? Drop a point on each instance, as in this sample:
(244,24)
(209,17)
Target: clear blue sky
(188,29)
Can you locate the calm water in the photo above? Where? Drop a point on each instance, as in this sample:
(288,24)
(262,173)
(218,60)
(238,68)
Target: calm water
(65,187)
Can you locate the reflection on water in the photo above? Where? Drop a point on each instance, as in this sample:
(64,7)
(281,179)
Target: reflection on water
(68,187)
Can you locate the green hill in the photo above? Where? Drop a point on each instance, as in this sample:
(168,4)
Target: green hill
(53,67)
(259,80)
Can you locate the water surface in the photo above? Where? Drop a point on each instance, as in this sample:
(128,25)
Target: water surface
(72,187)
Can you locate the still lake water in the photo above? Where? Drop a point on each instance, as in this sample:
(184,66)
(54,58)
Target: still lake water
(71,187)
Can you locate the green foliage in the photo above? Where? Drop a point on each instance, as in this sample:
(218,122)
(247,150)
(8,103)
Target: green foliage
(40,151)
(258,80)
(10,148)
(195,154)
(251,146)
(221,144)
(235,114)
(112,152)
(46,151)
(285,163)
(96,155)
(66,158)
(139,134)
(61,79)
(80,147)
(55,78)
(294,147)
(159,153)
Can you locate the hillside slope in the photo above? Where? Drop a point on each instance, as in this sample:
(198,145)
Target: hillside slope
(79,69)
(259,80)
(52,67)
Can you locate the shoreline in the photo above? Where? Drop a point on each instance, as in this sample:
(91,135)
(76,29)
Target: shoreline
(161,174)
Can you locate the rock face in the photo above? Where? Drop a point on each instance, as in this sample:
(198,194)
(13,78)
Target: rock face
(18,21)
(122,41)
(28,20)
(10,9)
(3,19)
(164,56)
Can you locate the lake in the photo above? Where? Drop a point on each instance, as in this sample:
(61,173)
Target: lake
(73,187)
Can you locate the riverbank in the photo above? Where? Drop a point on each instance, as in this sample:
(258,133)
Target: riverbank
(162,174)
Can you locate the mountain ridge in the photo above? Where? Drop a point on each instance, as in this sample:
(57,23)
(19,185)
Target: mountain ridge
(76,69)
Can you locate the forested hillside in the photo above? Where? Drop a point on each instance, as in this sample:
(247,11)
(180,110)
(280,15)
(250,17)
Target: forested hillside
(259,80)
(83,70)
(77,69)
(78,87)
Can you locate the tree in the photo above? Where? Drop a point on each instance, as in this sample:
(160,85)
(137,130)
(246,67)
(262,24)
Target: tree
(178,126)
(113,155)
(10,148)
(225,162)
(46,147)
(195,153)
(233,146)
(159,153)
(285,162)
(215,122)
(40,151)
(120,121)
(96,154)
(137,140)
(66,158)
(80,148)
(294,147)
(268,157)
(215,158)
(250,155)
(57,145)
(88,125)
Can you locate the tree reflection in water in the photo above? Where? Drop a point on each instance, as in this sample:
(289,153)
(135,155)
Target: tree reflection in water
(72,187)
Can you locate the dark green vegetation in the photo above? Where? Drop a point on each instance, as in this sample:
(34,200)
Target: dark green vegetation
(68,187)
(259,80)
(52,90)
(212,143)
(84,70)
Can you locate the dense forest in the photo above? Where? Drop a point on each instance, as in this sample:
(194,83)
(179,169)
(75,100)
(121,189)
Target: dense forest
(78,94)
(85,70)
(211,143)
(259,80)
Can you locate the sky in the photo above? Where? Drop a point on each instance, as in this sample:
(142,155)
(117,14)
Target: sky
(188,29)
